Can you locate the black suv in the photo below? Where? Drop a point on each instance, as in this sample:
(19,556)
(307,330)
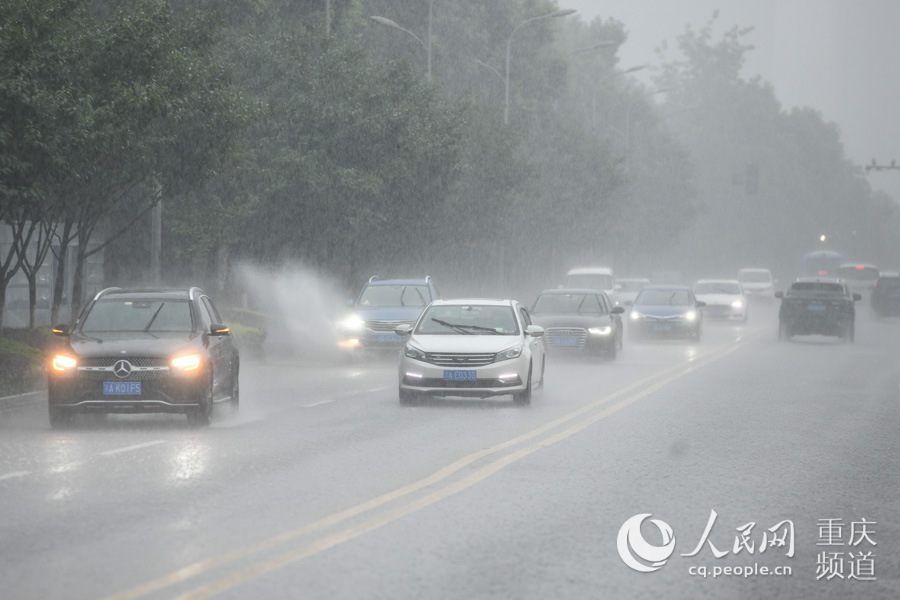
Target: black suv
(817,306)
(137,351)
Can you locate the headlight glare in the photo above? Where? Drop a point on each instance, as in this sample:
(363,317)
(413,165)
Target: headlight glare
(189,362)
(601,330)
(514,352)
(737,304)
(353,323)
(635,315)
(63,363)
(690,315)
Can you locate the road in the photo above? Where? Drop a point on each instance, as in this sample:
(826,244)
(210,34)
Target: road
(324,487)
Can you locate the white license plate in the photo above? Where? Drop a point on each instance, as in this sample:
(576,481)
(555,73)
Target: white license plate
(388,338)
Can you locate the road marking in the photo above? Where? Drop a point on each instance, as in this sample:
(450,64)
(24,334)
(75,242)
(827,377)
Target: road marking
(483,473)
(130,448)
(66,467)
(215,587)
(22,395)
(14,475)
(314,404)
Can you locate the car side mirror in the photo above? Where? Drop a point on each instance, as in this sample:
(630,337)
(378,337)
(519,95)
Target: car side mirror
(61,330)
(403,329)
(857,297)
(534,331)
(219,329)
(617,310)
(779,295)
(700,303)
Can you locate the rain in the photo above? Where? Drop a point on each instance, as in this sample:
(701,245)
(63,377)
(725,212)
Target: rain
(449,299)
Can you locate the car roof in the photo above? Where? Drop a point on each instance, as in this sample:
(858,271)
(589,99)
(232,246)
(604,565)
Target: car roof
(854,265)
(590,271)
(819,279)
(399,282)
(666,287)
(473,302)
(718,281)
(754,270)
(148,293)
(572,291)
(629,279)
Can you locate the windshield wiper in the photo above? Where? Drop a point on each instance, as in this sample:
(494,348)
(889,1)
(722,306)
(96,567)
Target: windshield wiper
(456,328)
(153,318)
(462,328)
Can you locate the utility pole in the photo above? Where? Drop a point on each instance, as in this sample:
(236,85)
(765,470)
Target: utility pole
(156,244)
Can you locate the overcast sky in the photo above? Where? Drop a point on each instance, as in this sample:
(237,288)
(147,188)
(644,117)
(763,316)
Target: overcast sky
(837,56)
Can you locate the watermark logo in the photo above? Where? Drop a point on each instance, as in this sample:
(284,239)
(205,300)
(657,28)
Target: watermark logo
(632,544)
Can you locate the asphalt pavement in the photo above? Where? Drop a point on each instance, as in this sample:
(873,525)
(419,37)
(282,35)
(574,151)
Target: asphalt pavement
(325,487)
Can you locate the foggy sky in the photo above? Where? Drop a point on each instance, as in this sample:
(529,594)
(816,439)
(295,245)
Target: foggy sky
(836,56)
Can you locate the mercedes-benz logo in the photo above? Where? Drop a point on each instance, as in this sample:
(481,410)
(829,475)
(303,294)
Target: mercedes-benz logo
(122,369)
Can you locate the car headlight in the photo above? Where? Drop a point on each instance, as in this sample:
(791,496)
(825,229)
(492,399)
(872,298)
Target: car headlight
(412,352)
(690,315)
(635,315)
(63,363)
(189,362)
(514,352)
(601,330)
(737,304)
(353,323)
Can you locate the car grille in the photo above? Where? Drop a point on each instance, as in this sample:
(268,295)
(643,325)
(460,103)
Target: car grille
(553,337)
(386,326)
(459,360)
(142,369)
(462,385)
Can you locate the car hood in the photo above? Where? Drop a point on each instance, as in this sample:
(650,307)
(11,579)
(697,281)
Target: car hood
(389,313)
(570,320)
(662,310)
(474,344)
(719,298)
(131,344)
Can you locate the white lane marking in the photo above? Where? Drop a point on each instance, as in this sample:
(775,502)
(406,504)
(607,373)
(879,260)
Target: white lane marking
(22,395)
(66,467)
(14,475)
(236,423)
(314,404)
(130,448)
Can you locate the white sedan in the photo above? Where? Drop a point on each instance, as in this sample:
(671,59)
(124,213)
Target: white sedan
(724,298)
(473,348)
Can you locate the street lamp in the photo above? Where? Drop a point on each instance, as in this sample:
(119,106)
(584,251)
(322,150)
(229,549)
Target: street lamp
(505,78)
(427,46)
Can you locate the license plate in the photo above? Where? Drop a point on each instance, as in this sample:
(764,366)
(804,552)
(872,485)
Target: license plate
(565,341)
(815,307)
(460,376)
(662,327)
(388,338)
(132,388)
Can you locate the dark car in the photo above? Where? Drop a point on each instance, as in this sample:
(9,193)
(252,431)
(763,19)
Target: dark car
(817,306)
(382,305)
(141,351)
(666,311)
(886,297)
(579,320)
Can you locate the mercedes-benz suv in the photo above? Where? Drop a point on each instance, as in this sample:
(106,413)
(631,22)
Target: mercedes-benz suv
(139,351)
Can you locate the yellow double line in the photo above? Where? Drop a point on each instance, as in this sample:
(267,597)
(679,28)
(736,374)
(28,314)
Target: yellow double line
(644,388)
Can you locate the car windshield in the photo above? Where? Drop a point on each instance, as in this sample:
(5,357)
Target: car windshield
(816,288)
(473,319)
(591,281)
(568,304)
(717,287)
(859,273)
(655,297)
(889,283)
(755,277)
(138,315)
(632,286)
(395,295)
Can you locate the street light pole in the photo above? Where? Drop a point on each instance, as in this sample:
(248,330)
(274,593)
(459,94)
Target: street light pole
(327,18)
(427,46)
(559,13)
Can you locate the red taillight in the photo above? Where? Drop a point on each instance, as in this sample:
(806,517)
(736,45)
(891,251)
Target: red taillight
(823,272)
(859,267)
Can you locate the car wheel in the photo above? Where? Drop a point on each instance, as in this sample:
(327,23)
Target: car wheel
(61,418)
(236,391)
(202,415)
(408,398)
(523,398)
(783,334)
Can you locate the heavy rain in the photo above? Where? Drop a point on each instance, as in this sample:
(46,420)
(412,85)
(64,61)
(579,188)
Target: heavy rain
(352,299)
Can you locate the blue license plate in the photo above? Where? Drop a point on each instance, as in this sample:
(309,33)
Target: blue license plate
(815,307)
(565,341)
(662,327)
(460,376)
(132,388)
(388,338)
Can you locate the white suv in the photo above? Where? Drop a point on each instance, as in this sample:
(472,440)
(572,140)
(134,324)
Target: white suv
(471,347)
(758,283)
(593,278)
